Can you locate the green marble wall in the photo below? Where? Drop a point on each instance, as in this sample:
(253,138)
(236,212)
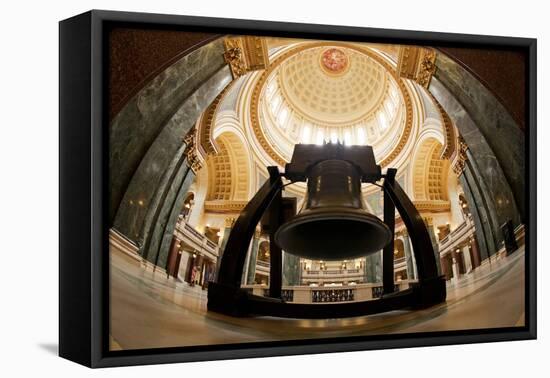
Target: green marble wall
(409,258)
(252,258)
(495,140)
(148,169)
(291,269)
(137,126)
(489,185)
(373,268)
(484,232)
(164,233)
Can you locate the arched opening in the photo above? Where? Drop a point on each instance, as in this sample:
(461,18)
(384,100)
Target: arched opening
(430,172)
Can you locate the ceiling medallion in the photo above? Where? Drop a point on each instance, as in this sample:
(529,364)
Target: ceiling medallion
(334,61)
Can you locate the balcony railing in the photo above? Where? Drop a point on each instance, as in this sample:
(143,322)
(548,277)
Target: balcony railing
(195,239)
(329,293)
(332,272)
(456,237)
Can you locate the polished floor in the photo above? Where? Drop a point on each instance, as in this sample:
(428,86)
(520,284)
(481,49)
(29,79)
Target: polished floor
(149,311)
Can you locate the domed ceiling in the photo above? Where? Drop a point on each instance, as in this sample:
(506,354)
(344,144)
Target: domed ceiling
(332,85)
(324,92)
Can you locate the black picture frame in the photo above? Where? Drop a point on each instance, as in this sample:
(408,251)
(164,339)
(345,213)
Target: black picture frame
(83,181)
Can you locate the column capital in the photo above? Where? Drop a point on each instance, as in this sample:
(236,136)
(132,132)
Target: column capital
(229,222)
(416,63)
(245,54)
(460,162)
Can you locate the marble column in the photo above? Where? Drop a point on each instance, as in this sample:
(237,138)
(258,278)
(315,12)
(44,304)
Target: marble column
(411,268)
(373,268)
(475,253)
(291,269)
(227,230)
(165,225)
(489,128)
(467,260)
(435,246)
(252,259)
(456,272)
(483,230)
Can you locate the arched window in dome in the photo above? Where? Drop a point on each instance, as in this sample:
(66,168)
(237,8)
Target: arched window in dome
(282,117)
(393,93)
(306,133)
(334,136)
(390,107)
(271,89)
(382,119)
(320,139)
(347,138)
(361,137)
(275,102)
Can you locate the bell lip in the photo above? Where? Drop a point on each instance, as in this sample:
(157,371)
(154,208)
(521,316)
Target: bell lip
(335,213)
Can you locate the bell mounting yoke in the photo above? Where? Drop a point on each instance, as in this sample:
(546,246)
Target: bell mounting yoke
(226,296)
(307,155)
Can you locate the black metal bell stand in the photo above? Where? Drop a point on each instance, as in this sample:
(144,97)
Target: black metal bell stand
(226,296)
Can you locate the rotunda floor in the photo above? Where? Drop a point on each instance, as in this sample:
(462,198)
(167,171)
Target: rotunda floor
(150,311)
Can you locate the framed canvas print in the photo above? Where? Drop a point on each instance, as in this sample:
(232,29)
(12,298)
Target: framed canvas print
(233,188)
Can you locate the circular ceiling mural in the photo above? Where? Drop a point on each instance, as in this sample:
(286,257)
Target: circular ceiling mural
(334,61)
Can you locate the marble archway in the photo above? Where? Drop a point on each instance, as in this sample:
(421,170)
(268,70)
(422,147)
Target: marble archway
(149,169)
(494,186)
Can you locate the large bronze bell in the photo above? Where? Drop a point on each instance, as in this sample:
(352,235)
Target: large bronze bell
(333,223)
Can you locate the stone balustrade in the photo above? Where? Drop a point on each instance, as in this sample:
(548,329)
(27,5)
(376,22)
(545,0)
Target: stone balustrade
(462,234)
(196,240)
(329,293)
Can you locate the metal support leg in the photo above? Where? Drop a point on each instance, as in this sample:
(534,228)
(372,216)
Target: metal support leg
(387,256)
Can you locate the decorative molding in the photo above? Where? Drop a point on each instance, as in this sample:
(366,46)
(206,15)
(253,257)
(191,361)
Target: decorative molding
(229,222)
(258,88)
(207,145)
(450,135)
(224,206)
(416,63)
(460,163)
(432,206)
(245,54)
(257,233)
(191,151)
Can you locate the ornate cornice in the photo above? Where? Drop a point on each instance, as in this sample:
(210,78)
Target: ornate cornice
(245,54)
(416,63)
(432,206)
(191,151)
(223,207)
(460,163)
(258,88)
(229,222)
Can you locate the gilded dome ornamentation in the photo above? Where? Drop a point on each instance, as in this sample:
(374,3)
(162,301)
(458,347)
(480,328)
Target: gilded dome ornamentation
(297,100)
